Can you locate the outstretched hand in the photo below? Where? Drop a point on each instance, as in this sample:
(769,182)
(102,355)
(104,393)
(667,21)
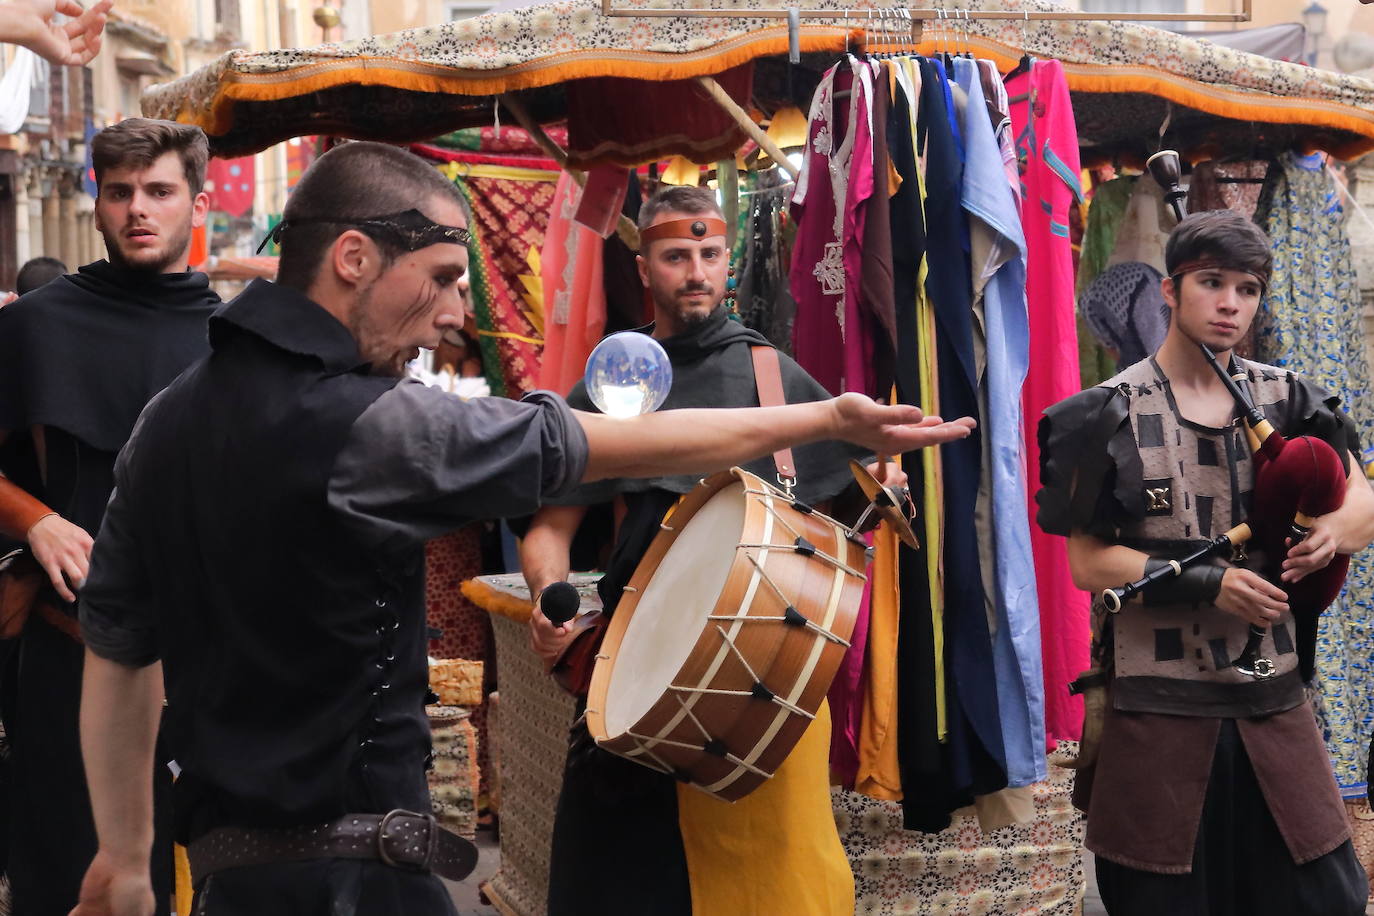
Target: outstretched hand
(893,429)
(67,44)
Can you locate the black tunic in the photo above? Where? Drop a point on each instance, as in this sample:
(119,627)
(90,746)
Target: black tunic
(79,357)
(266,541)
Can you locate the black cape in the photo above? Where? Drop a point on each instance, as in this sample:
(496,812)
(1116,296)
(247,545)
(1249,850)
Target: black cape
(712,367)
(87,351)
(81,356)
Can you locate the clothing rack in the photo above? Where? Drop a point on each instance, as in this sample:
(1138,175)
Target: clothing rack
(914,14)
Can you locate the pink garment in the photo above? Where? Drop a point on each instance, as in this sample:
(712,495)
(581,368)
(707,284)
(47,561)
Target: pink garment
(1047,147)
(574,294)
(827,258)
(846,697)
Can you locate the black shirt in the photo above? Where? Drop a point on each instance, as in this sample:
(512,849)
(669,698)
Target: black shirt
(265,541)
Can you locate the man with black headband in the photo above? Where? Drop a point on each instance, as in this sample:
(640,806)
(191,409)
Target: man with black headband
(664,847)
(265,542)
(79,358)
(1212,791)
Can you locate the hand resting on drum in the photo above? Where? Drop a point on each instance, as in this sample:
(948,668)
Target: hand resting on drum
(694,441)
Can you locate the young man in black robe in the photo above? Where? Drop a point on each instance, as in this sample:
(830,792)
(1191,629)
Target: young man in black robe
(79,359)
(617,842)
(262,556)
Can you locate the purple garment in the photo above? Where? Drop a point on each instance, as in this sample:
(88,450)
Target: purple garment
(846,696)
(827,256)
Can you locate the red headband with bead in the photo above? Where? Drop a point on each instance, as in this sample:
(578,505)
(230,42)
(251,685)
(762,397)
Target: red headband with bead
(696,229)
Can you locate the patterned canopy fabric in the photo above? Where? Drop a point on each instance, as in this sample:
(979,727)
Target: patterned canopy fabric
(414,84)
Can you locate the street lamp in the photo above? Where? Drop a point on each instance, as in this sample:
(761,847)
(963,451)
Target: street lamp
(1314,21)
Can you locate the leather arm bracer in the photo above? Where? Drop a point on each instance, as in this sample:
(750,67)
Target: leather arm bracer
(1198,584)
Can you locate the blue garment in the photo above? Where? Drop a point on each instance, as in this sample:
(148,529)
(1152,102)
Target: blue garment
(1016,642)
(972,760)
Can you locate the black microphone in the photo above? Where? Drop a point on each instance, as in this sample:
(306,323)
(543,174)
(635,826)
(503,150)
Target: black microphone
(559,602)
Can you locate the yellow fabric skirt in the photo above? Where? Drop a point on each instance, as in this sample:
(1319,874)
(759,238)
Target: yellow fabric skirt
(776,851)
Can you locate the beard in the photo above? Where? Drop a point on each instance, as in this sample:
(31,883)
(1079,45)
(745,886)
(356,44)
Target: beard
(688,316)
(155,261)
(371,345)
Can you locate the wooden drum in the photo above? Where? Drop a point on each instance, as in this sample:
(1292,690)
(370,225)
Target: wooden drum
(728,636)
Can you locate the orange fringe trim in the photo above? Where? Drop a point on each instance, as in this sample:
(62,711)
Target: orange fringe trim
(546,71)
(496,602)
(420,77)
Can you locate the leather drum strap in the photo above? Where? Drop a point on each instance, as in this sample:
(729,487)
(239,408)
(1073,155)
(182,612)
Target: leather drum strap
(768,379)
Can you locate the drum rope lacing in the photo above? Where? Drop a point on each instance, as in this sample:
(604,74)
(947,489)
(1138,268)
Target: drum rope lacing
(809,549)
(795,618)
(760,691)
(804,546)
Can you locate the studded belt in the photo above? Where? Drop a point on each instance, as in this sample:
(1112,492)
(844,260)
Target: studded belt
(401,839)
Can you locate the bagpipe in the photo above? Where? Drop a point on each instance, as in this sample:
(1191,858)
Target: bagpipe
(1296,481)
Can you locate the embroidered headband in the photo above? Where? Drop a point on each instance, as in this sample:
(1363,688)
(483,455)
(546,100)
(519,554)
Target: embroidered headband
(1197,264)
(683,229)
(411,228)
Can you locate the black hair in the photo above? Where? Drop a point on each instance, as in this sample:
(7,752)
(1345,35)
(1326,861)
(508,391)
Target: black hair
(36,272)
(1224,236)
(356,181)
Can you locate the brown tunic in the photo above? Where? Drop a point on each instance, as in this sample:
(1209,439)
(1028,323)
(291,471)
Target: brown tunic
(1174,679)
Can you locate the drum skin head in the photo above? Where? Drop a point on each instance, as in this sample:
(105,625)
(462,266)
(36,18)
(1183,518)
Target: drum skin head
(672,608)
(728,636)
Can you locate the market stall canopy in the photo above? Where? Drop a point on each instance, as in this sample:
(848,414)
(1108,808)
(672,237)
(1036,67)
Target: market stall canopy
(1129,82)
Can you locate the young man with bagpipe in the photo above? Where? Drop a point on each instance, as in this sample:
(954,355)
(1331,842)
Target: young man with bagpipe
(1206,783)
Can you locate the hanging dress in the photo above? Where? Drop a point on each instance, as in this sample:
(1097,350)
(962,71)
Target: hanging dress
(999,272)
(571,271)
(1047,145)
(828,208)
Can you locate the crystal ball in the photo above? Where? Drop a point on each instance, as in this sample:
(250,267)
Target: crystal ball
(628,374)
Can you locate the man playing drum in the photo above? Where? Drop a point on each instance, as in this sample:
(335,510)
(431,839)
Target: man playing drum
(262,557)
(626,839)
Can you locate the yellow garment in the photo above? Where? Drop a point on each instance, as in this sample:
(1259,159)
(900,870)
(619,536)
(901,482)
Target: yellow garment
(184,893)
(879,774)
(931,487)
(774,852)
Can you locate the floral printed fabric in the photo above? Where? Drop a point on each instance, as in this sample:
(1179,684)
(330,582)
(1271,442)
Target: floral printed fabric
(1035,867)
(1309,322)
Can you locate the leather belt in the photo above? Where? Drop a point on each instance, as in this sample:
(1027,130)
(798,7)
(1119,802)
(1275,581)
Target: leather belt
(400,839)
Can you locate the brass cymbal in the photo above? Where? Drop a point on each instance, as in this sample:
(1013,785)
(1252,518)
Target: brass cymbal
(888,502)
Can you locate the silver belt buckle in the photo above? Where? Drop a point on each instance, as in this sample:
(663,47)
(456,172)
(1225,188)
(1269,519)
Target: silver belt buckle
(405,857)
